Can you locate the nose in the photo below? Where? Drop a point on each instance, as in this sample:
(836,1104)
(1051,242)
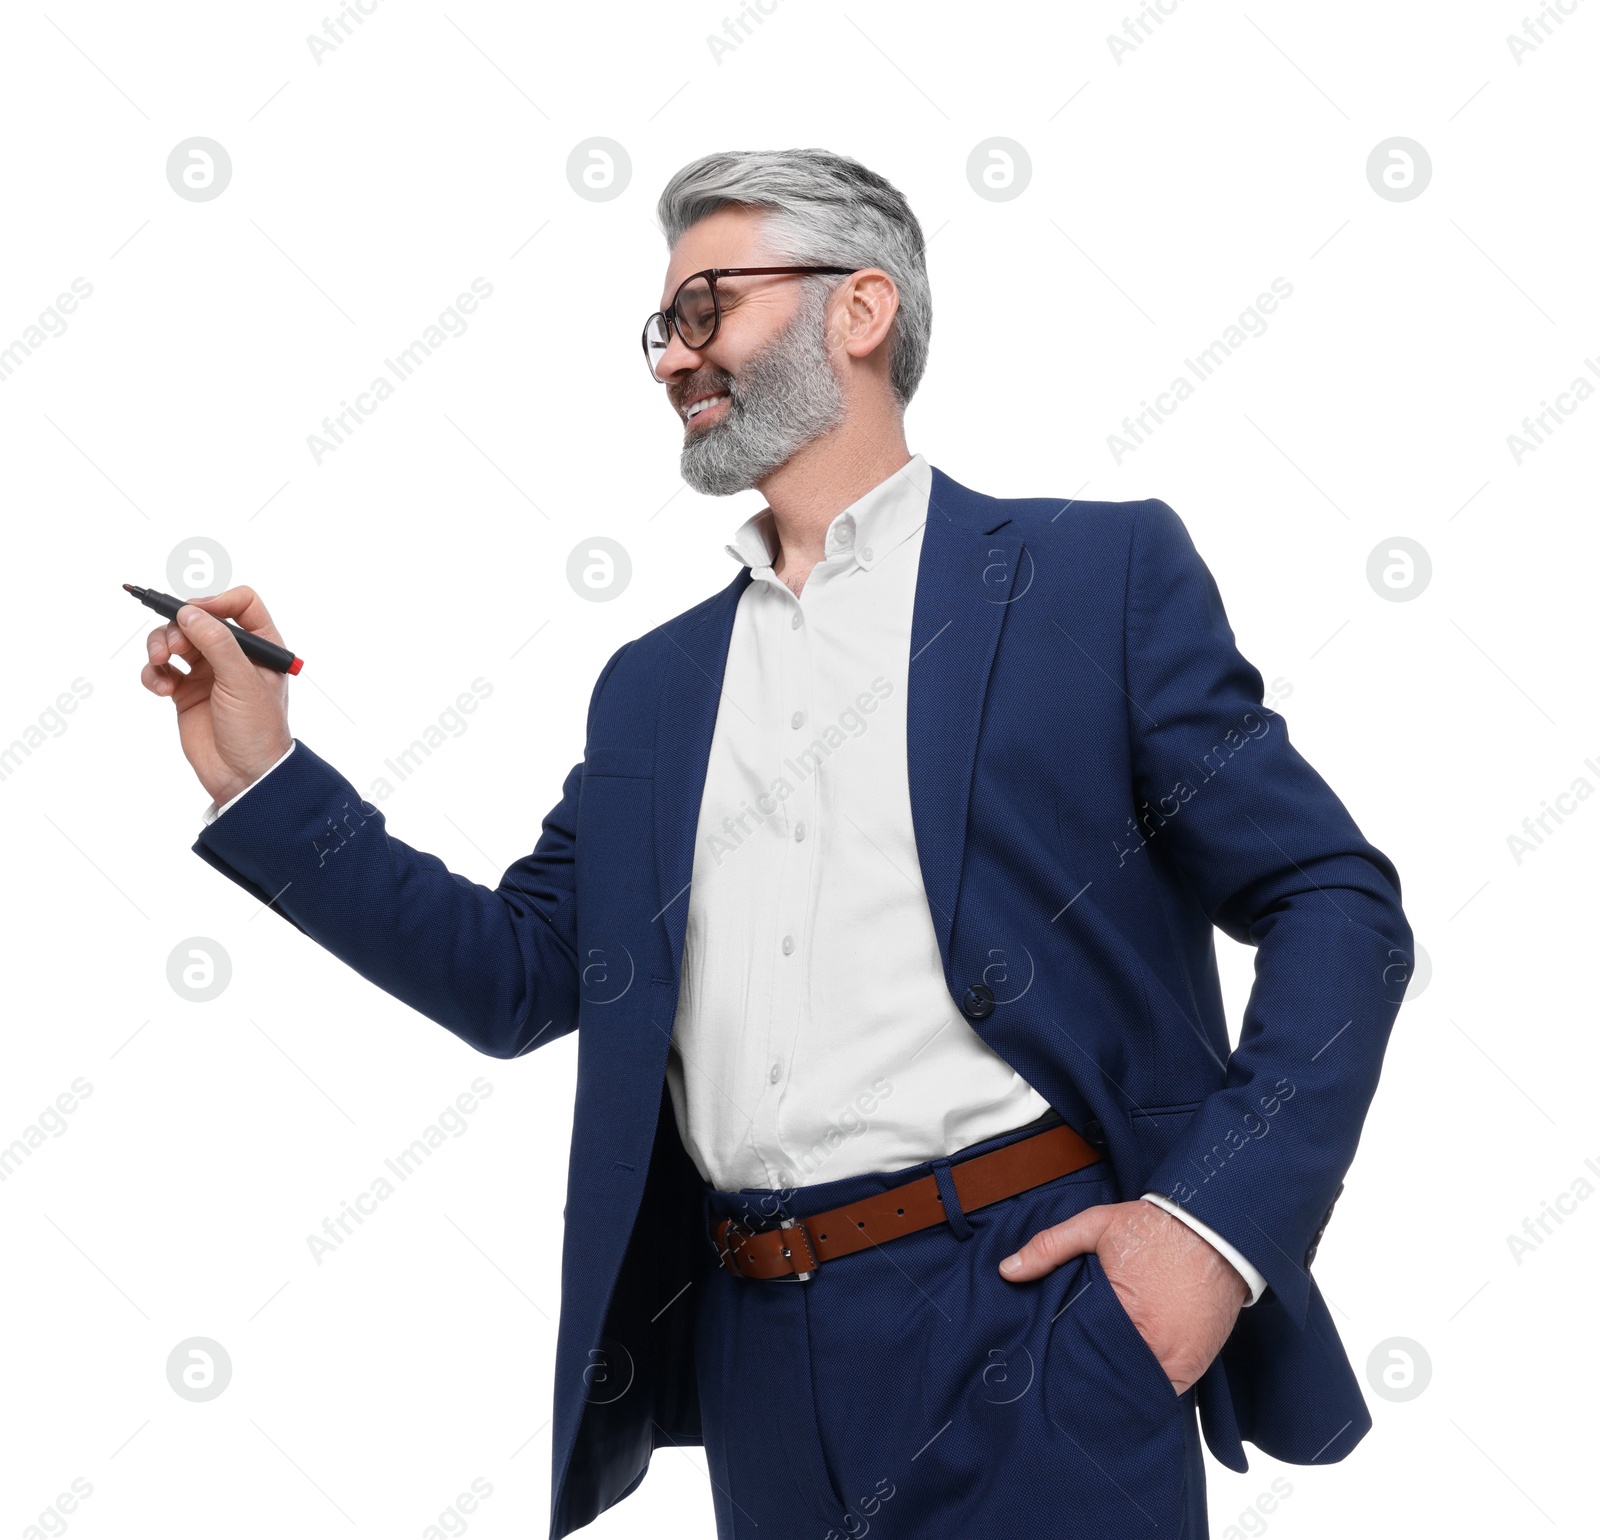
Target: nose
(675,358)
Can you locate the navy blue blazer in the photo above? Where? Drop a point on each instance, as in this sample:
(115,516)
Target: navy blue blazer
(1095,784)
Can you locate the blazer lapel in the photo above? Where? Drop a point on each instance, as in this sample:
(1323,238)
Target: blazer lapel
(690,689)
(966,576)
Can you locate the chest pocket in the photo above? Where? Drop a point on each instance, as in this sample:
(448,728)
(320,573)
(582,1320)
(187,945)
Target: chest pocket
(616,833)
(632,763)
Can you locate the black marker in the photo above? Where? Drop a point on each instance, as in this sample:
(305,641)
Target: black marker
(257,648)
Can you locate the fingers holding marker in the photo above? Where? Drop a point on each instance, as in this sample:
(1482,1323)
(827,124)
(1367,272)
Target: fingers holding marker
(166,679)
(216,643)
(160,643)
(163,644)
(158,678)
(244,607)
(204,631)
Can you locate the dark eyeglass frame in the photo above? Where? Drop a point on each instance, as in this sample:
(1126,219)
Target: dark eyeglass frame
(669,316)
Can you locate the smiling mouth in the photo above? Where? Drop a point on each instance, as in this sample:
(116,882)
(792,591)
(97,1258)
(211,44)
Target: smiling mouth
(698,409)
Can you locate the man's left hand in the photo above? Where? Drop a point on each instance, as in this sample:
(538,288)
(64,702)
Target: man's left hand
(1180,1291)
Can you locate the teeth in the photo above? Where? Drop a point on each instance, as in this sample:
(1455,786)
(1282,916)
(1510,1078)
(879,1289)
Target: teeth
(699,406)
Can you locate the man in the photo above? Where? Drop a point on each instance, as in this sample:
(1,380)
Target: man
(913,1174)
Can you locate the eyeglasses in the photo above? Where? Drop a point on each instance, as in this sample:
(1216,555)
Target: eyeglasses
(695,312)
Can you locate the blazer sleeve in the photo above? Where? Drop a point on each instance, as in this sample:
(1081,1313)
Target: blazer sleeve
(1276,862)
(496,966)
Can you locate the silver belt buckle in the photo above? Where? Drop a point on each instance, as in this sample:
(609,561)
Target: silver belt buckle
(786,1222)
(788,1278)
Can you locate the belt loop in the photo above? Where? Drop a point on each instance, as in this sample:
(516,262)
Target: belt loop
(708,1221)
(950,1199)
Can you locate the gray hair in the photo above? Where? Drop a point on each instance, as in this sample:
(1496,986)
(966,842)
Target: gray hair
(826,210)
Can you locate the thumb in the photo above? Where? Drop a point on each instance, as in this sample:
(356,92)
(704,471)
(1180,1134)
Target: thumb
(217,645)
(1046,1251)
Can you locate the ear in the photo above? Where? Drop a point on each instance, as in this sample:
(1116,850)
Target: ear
(863,309)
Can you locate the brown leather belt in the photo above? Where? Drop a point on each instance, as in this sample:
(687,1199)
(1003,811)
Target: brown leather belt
(795,1248)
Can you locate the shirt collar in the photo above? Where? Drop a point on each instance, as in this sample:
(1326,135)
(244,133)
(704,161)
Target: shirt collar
(869,528)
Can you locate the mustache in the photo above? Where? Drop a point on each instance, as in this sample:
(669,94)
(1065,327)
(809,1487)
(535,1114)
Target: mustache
(716,381)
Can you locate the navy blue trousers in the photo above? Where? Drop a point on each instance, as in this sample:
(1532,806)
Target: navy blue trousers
(910,1390)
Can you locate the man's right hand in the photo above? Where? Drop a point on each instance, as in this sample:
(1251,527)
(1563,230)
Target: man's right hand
(233,715)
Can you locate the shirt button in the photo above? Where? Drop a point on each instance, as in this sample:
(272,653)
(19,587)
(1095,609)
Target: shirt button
(794,621)
(798,719)
(866,553)
(788,945)
(799,831)
(775,1074)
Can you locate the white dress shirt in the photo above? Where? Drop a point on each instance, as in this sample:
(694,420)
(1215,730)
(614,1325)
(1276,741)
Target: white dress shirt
(815,1037)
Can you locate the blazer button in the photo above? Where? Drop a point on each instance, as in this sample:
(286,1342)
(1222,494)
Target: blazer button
(1316,1240)
(977,1002)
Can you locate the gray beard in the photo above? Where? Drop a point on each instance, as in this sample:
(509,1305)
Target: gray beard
(786,396)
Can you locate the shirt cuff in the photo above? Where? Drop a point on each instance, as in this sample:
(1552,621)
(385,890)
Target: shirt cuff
(1257,1284)
(213,812)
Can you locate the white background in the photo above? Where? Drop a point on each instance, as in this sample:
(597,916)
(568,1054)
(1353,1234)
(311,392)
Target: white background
(430,148)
